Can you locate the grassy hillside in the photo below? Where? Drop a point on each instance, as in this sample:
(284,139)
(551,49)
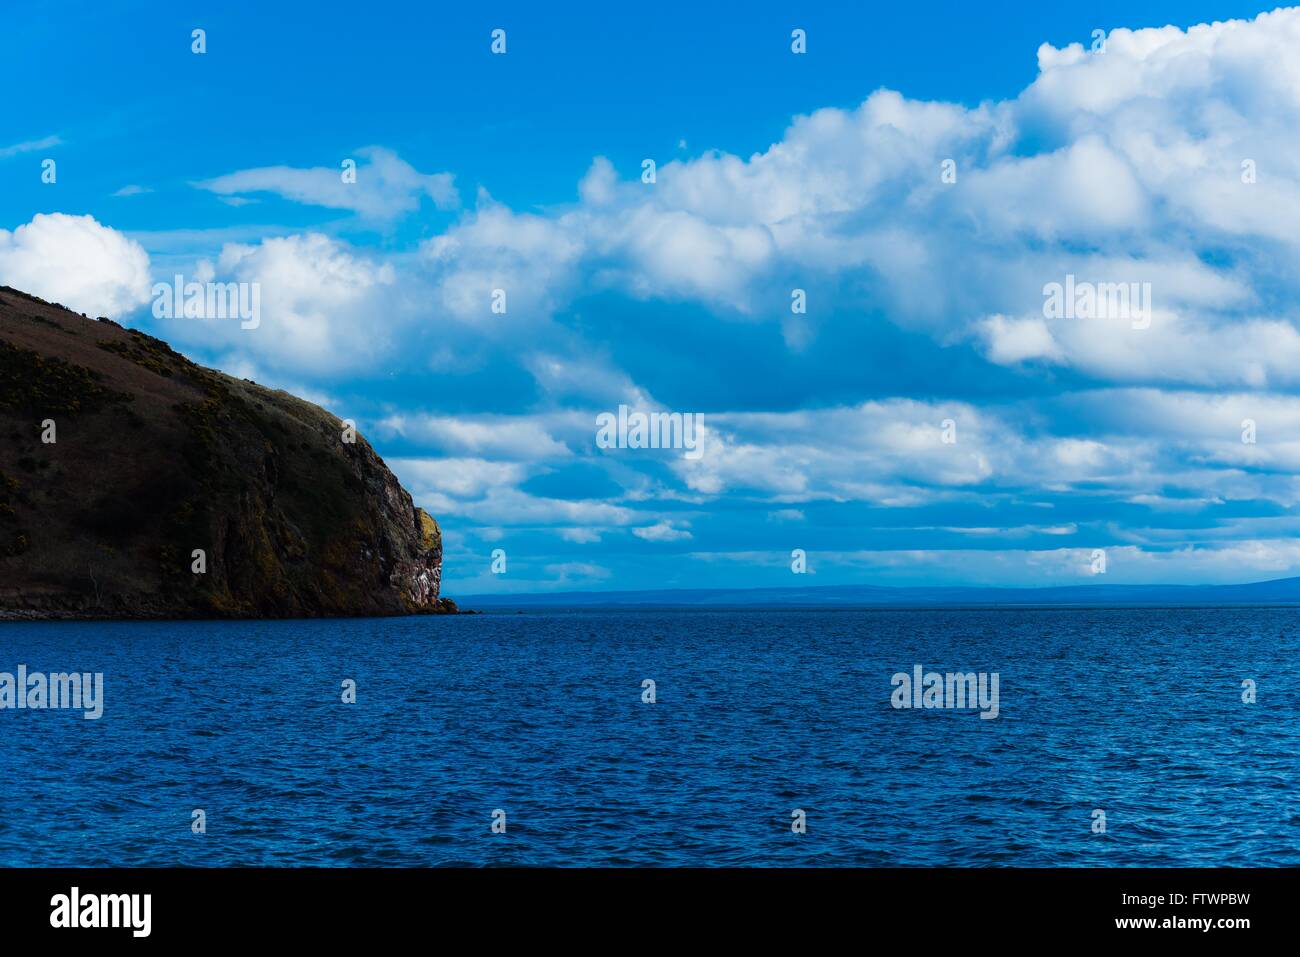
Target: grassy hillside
(155,457)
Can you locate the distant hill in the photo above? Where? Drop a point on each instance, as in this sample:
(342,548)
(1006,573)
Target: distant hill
(155,457)
(1280,591)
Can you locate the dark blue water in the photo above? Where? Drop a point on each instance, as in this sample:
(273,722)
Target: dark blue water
(1135,712)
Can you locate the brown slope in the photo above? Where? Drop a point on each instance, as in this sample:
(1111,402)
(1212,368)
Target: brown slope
(155,457)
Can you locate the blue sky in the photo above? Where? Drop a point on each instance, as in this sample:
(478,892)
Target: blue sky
(820,172)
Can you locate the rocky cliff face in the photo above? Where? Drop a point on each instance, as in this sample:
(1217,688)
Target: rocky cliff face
(134,483)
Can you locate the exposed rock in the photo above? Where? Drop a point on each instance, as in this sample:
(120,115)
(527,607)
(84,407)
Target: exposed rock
(156,458)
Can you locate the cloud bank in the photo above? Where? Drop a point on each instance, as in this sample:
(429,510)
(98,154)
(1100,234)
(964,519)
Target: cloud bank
(918,237)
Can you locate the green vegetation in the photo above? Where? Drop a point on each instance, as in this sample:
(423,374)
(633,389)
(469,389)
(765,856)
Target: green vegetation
(46,385)
(13,539)
(141,357)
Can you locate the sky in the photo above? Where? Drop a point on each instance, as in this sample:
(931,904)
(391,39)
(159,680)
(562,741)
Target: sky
(850,268)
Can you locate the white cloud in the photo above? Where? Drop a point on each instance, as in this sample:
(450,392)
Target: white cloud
(321,303)
(531,258)
(1015,340)
(511,507)
(1122,166)
(662,532)
(29,146)
(1105,166)
(461,477)
(575,573)
(386,186)
(1250,560)
(76,261)
(517,437)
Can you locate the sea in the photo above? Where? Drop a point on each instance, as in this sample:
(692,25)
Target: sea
(664,737)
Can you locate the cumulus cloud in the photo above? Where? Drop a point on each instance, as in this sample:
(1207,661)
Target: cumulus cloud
(1117,167)
(321,304)
(530,258)
(75,260)
(1122,166)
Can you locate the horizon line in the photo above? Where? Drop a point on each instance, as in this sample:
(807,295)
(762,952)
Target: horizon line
(1293,581)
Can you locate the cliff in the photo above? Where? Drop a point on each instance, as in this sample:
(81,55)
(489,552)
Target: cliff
(121,460)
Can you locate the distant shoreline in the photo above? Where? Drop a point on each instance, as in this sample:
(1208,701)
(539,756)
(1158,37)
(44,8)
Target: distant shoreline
(490,609)
(500,609)
(1281,592)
